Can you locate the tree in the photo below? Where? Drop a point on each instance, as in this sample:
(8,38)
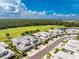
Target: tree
(56,50)
(63,50)
(26,32)
(36,48)
(52,28)
(24,54)
(37,30)
(13,48)
(8,36)
(78,36)
(49,56)
(23,34)
(46,41)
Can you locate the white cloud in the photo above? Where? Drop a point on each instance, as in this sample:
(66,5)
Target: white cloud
(54,14)
(73,14)
(24,12)
(65,15)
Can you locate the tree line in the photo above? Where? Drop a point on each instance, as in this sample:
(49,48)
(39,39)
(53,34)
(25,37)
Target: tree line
(12,23)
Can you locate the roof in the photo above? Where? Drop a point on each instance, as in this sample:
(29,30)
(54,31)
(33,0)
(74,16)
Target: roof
(76,55)
(62,55)
(32,39)
(72,45)
(24,41)
(41,34)
(72,30)
(15,41)
(2,44)
(22,47)
(5,53)
(56,31)
(2,50)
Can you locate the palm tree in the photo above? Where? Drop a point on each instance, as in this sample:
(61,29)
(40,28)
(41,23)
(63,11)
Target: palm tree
(49,56)
(26,32)
(8,36)
(56,50)
(23,34)
(13,48)
(78,36)
(52,28)
(37,30)
(24,53)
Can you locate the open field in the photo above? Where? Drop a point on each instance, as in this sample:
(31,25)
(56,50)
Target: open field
(15,32)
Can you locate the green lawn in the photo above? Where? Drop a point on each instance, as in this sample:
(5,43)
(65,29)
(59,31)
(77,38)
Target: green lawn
(15,32)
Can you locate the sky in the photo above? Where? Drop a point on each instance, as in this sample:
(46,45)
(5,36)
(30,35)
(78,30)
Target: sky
(54,6)
(40,9)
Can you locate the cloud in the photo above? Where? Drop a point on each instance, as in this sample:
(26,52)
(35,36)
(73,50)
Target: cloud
(30,12)
(23,12)
(65,15)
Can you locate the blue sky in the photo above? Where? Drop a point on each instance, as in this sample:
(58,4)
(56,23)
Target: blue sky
(42,9)
(54,6)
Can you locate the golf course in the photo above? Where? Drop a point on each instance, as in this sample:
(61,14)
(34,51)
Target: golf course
(16,32)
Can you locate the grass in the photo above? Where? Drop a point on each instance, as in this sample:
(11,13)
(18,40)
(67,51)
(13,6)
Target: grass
(15,32)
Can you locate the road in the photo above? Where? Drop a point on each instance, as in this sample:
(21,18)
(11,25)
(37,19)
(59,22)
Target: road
(46,50)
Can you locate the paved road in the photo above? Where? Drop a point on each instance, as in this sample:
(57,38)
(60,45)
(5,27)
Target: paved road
(46,50)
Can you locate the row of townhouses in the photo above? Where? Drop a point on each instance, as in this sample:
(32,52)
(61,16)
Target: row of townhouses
(28,42)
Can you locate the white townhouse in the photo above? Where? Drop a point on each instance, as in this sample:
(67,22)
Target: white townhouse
(4,45)
(62,55)
(5,52)
(22,43)
(27,42)
(72,46)
(56,32)
(42,36)
(72,31)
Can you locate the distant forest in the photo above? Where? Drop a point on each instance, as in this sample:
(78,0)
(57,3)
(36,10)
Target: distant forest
(12,23)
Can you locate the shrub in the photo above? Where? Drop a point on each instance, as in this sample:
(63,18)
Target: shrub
(56,50)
